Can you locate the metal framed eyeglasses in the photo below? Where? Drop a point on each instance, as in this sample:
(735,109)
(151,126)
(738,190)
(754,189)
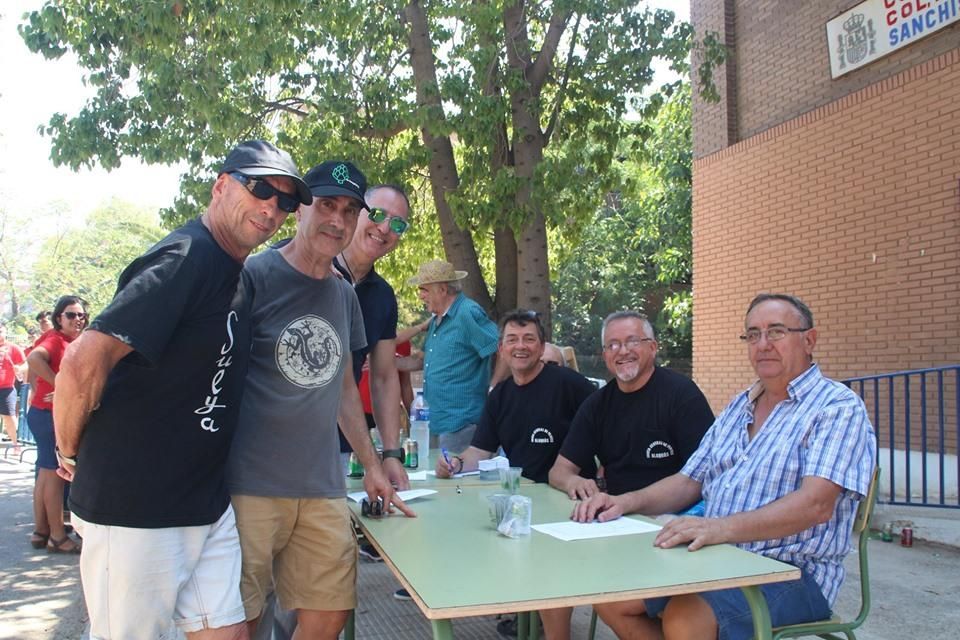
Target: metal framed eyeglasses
(752,336)
(630,343)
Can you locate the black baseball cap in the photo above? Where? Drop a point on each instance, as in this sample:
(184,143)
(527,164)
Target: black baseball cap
(260,158)
(337,178)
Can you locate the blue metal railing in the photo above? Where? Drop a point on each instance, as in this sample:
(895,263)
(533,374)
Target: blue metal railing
(918,422)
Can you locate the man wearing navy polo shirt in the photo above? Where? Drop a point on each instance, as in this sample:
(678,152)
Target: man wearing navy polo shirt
(377,234)
(781,472)
(458,354)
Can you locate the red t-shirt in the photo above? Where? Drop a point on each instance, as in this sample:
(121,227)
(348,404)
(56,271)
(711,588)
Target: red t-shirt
(403,349)
(10,355)
(56,344)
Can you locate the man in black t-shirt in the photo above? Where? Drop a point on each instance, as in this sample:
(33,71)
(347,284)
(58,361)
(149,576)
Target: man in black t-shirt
(146,407)
(528,414)
(642,427)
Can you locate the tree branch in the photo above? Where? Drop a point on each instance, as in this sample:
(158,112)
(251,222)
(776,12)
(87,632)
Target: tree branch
(544,61)
(285,105)
(562,93)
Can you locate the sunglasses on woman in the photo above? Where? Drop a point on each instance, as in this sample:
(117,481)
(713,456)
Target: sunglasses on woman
(75,315)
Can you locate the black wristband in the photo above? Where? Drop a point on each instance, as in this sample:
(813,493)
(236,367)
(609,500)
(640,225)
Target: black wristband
(393,453)
(460,470)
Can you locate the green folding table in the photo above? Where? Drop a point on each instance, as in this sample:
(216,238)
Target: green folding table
(454,564)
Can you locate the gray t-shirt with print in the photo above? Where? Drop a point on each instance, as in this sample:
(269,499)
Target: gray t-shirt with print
(304,331)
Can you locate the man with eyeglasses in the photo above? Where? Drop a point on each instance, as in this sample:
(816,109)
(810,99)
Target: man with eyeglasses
(378,231)
(642,426)
(147,402)
(284,471)
(781,471)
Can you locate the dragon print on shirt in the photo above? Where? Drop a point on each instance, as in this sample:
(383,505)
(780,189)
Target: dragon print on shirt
(309,352)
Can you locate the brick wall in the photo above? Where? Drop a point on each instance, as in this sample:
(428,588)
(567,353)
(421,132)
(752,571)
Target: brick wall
(715,122)
(781,68)
(855,207)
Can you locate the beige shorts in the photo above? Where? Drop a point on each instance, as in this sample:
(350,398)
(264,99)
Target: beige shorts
(308,542)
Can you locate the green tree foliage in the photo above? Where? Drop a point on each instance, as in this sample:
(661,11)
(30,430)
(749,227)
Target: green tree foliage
(509,113)
(87,261)
(15,250)
(637,252)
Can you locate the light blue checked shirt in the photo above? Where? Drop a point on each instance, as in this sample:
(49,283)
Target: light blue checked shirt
(456,365)
(821,429)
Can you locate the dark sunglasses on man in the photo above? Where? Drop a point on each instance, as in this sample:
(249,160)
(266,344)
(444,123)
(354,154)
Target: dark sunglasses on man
(397,224)
(263,190)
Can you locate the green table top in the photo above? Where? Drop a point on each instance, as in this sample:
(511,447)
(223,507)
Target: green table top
(455,564)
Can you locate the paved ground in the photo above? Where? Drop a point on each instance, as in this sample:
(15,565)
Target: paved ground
(914,589)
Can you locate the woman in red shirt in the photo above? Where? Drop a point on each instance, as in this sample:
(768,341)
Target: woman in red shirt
(69,320)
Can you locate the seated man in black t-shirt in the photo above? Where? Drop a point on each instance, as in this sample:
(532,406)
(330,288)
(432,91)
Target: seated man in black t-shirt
(528,414)
(642,428)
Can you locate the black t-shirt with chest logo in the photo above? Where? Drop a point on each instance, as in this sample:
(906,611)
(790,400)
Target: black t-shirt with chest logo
(640,437)
(531,421)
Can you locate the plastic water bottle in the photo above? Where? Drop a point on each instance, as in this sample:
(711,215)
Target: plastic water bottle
(420,427)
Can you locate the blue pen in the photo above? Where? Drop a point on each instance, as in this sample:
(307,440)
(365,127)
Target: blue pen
(446,457)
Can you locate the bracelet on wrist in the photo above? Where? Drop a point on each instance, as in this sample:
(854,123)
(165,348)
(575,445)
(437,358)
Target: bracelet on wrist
(460,470)
(65,459)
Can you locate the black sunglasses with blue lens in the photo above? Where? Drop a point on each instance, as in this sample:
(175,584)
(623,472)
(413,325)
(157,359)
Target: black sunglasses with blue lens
(397,224)
(263,190)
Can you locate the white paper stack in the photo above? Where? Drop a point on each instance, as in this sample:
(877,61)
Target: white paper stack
(499,462)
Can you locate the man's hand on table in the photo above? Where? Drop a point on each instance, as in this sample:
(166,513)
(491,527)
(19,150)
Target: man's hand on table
(396,474)
(581,488)
(601,506)
(377,485)
(698,532)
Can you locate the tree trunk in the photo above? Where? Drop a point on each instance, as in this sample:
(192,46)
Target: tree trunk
(533,268)
(505,243)
(457,243)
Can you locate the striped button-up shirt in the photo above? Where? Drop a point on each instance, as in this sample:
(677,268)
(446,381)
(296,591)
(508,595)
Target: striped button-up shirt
(821,429)
(456,365)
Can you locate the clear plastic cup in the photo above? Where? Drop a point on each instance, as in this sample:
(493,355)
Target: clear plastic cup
(510,479)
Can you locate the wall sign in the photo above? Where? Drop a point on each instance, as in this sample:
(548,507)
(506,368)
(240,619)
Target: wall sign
(874,28)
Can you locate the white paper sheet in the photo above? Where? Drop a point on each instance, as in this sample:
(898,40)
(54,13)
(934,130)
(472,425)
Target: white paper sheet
(570,530)
(406,496)
(418,475)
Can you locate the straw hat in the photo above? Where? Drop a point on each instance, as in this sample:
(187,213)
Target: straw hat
(436,271)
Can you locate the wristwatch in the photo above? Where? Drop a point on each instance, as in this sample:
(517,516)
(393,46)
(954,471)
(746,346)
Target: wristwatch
(393,453)
(65,459)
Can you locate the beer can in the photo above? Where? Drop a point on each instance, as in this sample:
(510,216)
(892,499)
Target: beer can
(354,468)
(412,459)
(906,537)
